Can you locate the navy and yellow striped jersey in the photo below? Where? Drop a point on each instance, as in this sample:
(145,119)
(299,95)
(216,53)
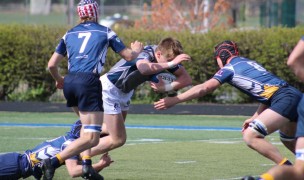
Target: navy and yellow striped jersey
(251,78)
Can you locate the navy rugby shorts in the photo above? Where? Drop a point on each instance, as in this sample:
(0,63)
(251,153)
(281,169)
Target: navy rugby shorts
(300,124)
(285,102)
(84,91)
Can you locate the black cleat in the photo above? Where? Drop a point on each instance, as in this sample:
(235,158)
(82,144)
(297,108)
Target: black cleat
(89,173)
(48,169)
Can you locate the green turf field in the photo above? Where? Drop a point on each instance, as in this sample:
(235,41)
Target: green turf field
(159,147)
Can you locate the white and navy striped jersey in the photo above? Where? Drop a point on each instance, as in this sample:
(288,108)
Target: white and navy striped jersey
(52,147)
(125,75)
(86,46)
(251,78)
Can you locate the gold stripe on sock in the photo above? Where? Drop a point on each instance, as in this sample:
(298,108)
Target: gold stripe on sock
(267,176)
(283,161)
(59,158)
(86,157)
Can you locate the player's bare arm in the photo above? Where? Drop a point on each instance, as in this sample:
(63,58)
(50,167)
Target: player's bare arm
(180,58)
(195,92)
(53,68)
(74,167)
(295,60)
(183,79)
(147,68)
(131,53)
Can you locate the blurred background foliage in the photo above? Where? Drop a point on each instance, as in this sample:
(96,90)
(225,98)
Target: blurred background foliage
(25,51)
(266,31)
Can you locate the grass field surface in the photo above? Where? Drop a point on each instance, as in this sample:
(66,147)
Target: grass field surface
(159,147)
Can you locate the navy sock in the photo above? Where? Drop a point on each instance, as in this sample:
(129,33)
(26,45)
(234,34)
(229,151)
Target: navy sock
(87,162)
(55,162)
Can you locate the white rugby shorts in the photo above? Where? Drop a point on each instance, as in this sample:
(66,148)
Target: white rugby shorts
(114,100)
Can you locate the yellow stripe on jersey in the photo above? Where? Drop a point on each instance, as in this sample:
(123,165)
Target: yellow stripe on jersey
(269,91)
(33,159)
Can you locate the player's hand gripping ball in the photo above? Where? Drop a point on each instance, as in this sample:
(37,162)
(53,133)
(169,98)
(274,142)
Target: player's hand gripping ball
(167,79)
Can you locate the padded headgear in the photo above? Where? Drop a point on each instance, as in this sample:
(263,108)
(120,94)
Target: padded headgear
(225,50)
(87,8)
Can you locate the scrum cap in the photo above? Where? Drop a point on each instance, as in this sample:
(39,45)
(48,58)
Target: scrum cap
(225,50)
(87,8)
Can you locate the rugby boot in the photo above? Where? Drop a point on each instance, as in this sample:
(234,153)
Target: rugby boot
(48,169)
(89,173)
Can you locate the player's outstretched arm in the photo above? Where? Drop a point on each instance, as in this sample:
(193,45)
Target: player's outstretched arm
(75,168)
(195,92)
(131,53)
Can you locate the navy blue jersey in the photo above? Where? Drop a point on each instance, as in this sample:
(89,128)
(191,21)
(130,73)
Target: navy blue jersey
(125,75)
(86,46)
(251,78)
(50,148)
(16,165)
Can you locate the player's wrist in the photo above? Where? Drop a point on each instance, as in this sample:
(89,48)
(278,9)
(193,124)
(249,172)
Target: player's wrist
(171,64)
(169,87)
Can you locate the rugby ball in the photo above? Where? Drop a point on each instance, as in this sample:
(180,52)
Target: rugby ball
(167,78)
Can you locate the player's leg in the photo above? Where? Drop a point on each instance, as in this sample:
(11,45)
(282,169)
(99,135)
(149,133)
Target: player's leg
(113,102)
(266,123)
(287,135)
(81,90)
(91,128)
(294,172)
(117,134)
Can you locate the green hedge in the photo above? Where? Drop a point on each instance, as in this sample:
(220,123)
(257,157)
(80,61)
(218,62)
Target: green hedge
(25,51)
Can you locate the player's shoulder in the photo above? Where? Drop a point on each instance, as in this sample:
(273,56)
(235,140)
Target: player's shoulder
(148,53)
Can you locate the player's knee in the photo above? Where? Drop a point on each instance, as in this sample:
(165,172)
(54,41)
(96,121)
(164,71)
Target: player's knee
(256,129)
(91,134)
(119,141)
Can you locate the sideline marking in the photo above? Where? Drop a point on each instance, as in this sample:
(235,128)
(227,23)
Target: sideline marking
(184,162)
(199,128)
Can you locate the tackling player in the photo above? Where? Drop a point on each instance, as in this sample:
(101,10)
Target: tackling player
(295,172)
(119,83)
(278,100)
(85,46)
(14,165)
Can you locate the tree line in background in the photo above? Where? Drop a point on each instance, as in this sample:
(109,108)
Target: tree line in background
(25,51)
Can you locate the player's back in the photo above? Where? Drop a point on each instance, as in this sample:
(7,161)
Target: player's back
(87,45)
(253,79)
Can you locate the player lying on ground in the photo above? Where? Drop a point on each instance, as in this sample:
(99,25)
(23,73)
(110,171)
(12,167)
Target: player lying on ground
(278,100)
(295,172)
(119,83)
(16,165)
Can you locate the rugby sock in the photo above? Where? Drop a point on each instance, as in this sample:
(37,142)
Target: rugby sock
(285,161)
(266,176)
(86,160)
(56,161)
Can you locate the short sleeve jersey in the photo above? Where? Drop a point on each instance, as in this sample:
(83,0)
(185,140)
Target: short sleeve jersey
(251,78)
(125,75)
(86,47)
